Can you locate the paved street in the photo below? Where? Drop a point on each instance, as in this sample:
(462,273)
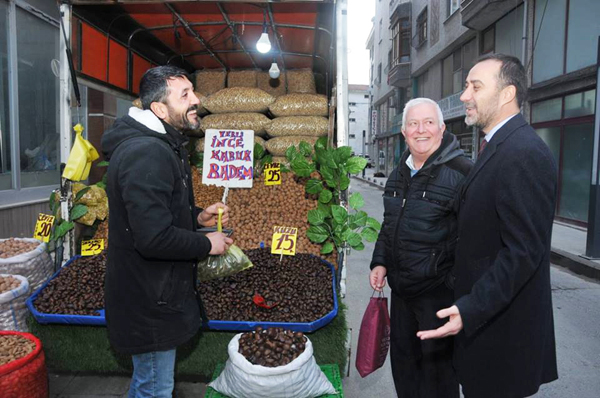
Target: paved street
(576,311)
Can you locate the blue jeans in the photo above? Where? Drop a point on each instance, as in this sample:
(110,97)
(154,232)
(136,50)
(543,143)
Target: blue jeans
(153,375)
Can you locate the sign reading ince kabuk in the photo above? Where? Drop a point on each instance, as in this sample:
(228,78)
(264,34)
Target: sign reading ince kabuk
(228,158)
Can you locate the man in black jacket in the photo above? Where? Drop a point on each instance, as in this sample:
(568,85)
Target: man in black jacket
(152,304)
(502,315)
(415,250)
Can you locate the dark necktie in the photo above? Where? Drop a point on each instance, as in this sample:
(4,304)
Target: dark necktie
(483,145)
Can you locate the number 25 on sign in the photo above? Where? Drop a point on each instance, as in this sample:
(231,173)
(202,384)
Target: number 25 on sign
(92,247)
(272,174)
(284,241)
(43,227)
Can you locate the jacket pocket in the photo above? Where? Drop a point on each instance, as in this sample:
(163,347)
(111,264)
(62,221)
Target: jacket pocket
(173,293)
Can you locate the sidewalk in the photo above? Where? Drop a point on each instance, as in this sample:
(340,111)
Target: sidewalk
(568,242)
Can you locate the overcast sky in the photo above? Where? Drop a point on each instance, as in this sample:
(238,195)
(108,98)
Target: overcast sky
(360,13)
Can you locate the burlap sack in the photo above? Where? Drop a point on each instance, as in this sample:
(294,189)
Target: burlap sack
(278,145)
(200,143)
(314,126)
(13,310)
(236,121)
(275,87)
(301,81)
(239,99)
(300,105)
(281,159)
(209,81)
(241,78)
(35,265)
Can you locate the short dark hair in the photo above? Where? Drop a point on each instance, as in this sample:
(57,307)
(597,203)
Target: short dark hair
(154,86)
(511,72)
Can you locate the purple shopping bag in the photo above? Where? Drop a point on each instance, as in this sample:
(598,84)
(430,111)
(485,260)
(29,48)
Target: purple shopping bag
(374,336)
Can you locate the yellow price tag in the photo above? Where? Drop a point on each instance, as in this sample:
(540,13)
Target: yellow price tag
(43,227)
(92,247)
(272,174)
(284,241)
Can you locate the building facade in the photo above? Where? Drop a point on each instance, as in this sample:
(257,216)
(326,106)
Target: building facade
(556,40)
(358,123)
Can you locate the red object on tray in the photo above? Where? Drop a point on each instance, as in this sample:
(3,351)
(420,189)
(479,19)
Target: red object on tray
(25,377)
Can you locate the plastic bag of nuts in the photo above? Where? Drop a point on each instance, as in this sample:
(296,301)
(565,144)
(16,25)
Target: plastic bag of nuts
(22,366)
(278,145)
(239,99)
(301,81)
(241,78)
(300,105)
(209,81)
(301,378)
(315,126)
(14,291)
(26,257)
(237,121)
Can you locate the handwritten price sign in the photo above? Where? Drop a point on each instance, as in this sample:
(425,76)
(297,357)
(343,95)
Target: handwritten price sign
(92,247)
(284,241)
(272,174)
(43,227)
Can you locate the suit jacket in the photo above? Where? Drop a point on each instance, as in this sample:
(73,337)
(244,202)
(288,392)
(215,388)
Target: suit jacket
(502,267)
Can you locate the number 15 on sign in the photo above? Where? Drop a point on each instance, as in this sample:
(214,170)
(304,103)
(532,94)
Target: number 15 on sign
(284,241)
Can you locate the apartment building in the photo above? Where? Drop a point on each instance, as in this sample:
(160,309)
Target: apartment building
(358,123)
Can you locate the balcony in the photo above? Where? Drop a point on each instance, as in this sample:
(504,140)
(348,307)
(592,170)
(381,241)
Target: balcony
(399,9)
(399,74)
(479,14)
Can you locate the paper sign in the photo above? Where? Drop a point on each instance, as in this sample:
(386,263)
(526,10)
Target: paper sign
(228,158)
(272,174)
(43,227)
(284,241)
(92,247)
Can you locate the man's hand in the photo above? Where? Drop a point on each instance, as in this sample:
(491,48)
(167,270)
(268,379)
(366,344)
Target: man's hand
(452,327)
(219,242)
(377,277)
(209,216)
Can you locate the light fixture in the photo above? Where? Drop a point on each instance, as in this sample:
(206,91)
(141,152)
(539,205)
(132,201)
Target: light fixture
(274,71)
(263,45)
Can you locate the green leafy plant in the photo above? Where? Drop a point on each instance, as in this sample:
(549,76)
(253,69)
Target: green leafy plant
(261,158)
(331,224)
(102,183)
(61,226)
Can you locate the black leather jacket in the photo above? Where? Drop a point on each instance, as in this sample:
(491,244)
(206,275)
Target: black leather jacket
(419,232)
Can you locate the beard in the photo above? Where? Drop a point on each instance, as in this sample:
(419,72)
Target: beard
(485,113)
(181,121)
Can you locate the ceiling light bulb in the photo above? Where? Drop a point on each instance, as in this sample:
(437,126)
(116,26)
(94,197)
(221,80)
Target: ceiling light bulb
(274,71)
(263,44)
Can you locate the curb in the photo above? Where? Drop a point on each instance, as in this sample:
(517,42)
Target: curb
(575,263)
(368,180)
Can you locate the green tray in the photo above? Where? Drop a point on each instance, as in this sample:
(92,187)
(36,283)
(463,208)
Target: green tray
(331,371)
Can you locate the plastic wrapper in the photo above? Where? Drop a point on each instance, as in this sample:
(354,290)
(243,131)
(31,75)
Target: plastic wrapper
(239,99)
(301,81)
(278,145)
(314,126)
(209,81)
(237,121)
(81,157)
(231,262)
(95,200)
(300,105)
(241,78)
(275,87)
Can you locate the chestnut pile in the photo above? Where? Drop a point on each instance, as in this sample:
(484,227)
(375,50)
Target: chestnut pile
(271,347)
(12,247)
(77,290)
(297,289)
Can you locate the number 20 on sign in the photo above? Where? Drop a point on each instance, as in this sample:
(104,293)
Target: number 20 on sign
(272,174)
(284,241)
(43,227)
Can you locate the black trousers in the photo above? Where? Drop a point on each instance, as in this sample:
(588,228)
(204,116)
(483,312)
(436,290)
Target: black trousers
(421,369)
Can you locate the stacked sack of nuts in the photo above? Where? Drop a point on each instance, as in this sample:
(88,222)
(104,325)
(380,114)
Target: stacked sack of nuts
(14,290)
(23,371)
(271,363)
(300,115)
(26,257)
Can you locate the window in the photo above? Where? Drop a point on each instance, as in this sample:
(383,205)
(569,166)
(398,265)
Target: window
(30,115)
(422,27)
(380,29)
(367,96)
(566,124)
(452,71)
(378,74)
(351,103)
(352,136)
(487,41)
(352,119)
(401,42)
(389,64)
(509,34)
(452,6)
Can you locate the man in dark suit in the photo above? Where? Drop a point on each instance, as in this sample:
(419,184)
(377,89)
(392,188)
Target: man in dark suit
(502,314)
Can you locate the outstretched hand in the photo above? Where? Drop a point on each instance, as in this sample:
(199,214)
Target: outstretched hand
(450,328)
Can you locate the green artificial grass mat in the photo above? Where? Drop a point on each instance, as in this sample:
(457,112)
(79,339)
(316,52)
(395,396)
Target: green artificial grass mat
(74,348)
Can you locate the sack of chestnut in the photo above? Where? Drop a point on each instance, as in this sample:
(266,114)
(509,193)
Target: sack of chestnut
(271,363)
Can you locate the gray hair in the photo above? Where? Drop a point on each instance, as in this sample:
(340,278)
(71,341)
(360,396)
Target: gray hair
(418,101)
